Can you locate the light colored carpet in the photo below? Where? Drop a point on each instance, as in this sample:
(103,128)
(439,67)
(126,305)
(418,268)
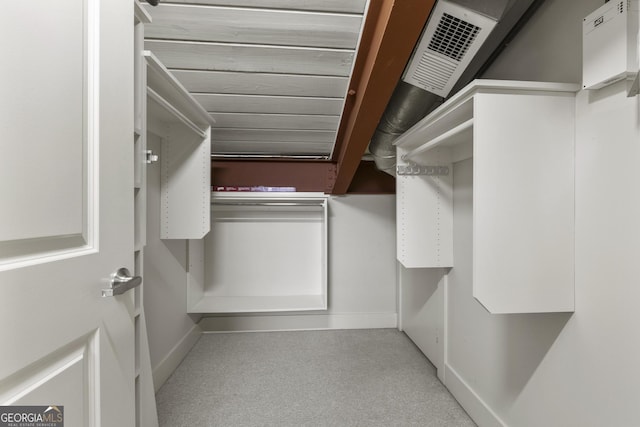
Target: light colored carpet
(312,378)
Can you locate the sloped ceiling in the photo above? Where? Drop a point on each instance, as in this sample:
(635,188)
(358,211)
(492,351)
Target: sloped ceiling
(274,75)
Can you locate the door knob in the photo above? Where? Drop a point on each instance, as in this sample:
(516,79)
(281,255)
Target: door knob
(121,282)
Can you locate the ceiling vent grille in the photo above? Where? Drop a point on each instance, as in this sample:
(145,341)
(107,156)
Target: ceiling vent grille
(451,38)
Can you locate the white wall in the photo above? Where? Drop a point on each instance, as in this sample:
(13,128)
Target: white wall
(362,266)
(362,272)
(560,369)
(548,47)
(170,330)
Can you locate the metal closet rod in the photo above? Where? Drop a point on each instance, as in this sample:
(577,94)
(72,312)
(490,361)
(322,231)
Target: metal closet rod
(270,156)
(241,203)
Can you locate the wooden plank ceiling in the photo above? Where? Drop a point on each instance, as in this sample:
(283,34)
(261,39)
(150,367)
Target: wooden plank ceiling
(274,74)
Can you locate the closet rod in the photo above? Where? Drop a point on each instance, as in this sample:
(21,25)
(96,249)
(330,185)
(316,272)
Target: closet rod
(240,203)
(175,112)
(269,156)
(439,140)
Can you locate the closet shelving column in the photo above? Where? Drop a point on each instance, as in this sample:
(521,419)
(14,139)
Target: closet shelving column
(145,407)
(185,161)
(521,138)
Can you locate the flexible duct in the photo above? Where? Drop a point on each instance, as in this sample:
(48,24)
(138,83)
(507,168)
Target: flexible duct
(409,103)
(407,106)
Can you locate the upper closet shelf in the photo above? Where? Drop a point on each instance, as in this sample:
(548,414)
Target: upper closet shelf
(140,14)
(451,124)
(169,94)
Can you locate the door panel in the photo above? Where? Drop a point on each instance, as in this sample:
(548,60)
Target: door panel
(60,373)
(48,128)
(66,208)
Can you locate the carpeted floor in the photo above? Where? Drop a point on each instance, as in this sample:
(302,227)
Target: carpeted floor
(315,378)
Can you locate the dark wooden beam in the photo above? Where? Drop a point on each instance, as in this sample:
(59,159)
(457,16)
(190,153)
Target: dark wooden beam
(304,176)
(391,33)
(368,32)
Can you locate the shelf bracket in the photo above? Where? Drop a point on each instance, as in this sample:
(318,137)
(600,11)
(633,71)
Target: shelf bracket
(413,169)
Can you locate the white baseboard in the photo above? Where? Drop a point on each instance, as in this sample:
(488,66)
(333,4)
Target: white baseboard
(163,370)
(477,409)
(299,322)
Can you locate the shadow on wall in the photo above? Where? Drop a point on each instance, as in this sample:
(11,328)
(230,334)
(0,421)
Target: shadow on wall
(534,335)
(166,262)
(168,288)
(495,354)
(177,248)
(418,298)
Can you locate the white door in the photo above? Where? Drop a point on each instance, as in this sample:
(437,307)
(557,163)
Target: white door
(66,207)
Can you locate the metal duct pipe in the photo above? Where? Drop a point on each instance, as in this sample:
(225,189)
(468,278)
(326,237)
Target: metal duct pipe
(407,106)
(409,103)
(492,8)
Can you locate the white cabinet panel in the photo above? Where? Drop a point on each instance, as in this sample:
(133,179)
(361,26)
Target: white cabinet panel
(521,138)
(266,252)
(185,129)
(523,194)
(40,139)
(424,220)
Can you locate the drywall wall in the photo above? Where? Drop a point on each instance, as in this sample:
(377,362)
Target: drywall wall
(362,273)
(561,369)
(170,330)
(362,266)
(494,354)
(549,47)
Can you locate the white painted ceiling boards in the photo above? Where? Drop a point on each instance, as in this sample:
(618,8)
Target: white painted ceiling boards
(272,73)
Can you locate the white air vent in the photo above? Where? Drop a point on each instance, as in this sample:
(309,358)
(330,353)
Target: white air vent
(450,40)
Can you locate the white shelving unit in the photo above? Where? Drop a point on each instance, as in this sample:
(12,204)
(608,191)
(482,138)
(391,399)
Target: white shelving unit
(521,138)
(267,252)
(146,414)
(185,129)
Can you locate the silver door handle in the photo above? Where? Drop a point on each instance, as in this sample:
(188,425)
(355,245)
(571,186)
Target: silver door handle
(122,282)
